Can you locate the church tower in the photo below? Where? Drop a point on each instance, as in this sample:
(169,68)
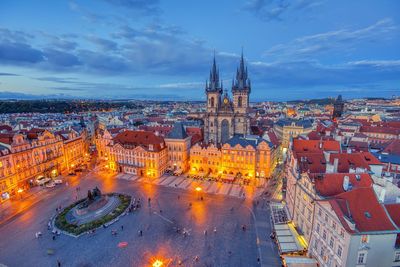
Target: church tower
(225,118)
(241,89)
(213,89)
(214,92)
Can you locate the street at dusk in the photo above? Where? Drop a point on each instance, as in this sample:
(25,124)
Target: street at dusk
(157,133)
(228,246)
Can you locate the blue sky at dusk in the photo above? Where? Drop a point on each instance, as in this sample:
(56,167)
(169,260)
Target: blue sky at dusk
(163,49)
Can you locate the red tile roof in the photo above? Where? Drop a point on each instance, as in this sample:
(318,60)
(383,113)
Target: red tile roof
(362,207)
(331,184)
(380,129)
(315,145)
(393,147)
(140,138)
(354,160)
(273,138)
(311,162)
(394,212)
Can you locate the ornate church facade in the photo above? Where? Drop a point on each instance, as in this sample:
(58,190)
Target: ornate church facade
(225,116)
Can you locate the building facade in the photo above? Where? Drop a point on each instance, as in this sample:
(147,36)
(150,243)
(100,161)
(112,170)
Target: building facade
(178,144)
(225,117)
(138,152)
(285,129)
(241,158)
(29,154)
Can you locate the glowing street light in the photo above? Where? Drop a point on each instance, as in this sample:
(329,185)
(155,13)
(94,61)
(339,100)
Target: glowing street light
(20,190)
(157,263)
(198,189)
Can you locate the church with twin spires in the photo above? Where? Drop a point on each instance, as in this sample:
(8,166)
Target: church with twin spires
(226,116)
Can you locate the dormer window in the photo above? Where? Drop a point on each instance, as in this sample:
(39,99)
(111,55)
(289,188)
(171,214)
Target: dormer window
(151,147)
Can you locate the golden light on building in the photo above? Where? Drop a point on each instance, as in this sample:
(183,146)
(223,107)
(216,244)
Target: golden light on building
(198,189)
(20,190)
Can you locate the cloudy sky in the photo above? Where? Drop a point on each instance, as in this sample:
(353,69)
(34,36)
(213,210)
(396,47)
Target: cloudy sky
(163,49)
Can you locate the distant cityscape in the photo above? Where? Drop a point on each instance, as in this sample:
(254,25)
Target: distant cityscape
(321,177)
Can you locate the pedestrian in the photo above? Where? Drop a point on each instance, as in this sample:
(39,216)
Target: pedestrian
(196,258)
(54,237)
(160,211)
(179,197)
(141,233)
(149,200)
(258,259)
(215,230)
(230,253)
(122,228)
(58,263)
(205,232)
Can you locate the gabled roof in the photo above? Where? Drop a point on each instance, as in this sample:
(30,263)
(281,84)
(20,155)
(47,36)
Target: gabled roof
(361,206)
(331,184)
(354,160)
(315,145)
(311,162)
(178,132)
(131,139)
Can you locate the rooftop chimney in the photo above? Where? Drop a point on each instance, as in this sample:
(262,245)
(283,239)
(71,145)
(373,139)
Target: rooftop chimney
(346,183)
(335,165)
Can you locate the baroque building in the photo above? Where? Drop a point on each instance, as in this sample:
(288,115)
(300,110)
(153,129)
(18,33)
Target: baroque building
(226,117)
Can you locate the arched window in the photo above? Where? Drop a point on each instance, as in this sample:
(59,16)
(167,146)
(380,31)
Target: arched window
(240,102)
(212,102)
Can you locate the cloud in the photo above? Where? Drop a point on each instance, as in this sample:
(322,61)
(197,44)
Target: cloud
(306,74)
(19,52)
(146,7)
(104,44)
(275,10)
(8,74)
(337,41)
(187,85)
(57,58)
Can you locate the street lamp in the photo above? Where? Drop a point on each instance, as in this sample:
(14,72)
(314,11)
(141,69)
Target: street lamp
(157,263)
(198,190)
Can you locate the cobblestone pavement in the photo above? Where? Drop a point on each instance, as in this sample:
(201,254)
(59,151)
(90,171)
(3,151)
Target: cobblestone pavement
(209,187)
(169,209)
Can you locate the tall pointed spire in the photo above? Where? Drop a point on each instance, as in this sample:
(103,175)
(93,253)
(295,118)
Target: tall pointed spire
(242,81)
(214,84)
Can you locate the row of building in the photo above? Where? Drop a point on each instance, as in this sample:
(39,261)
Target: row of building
(26,155)
(149,154)
(346,213)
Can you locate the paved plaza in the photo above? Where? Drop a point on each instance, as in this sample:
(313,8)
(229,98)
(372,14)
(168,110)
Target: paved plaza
(170,208)
(210,187)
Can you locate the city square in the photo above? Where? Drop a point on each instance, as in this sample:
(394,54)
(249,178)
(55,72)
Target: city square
(176,227)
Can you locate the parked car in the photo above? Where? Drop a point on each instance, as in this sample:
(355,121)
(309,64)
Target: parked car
(58,181)
(41,180)
(50,184)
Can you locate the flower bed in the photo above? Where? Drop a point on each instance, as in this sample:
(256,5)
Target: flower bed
(62,224)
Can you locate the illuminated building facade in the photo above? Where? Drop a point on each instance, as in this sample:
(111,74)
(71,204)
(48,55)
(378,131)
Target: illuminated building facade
(291,128)
(138,152)
(178,144)
(242,158)
(29,154)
